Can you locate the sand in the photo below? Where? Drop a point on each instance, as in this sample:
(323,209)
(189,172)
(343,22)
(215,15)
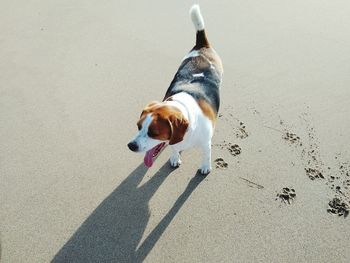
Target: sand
(74,76)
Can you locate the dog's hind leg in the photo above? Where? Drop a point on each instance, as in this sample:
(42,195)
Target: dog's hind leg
(206,158)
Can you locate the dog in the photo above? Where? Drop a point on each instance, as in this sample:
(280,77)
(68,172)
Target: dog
(187,115)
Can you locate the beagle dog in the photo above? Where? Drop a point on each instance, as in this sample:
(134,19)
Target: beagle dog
(186,117)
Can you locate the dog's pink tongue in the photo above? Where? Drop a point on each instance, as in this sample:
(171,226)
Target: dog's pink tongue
(148,160)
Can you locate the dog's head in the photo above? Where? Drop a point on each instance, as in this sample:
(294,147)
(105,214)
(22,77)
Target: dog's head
(159,125)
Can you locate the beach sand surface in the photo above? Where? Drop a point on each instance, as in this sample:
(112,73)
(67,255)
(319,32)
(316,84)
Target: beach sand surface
(74,76)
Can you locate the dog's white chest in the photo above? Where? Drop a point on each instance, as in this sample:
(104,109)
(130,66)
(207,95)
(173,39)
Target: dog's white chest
(200,128)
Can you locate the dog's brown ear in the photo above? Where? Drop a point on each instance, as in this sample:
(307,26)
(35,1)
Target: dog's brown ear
(178,127)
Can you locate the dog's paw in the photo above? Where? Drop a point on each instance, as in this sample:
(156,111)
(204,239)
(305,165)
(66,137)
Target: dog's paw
(175,160)
(205,169)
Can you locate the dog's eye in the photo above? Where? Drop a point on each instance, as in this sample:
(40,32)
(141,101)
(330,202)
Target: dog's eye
(152,133)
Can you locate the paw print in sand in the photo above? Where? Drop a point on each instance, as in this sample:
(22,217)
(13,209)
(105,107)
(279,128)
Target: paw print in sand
(338,207)
(241,131)
(220,163)
(234,149)
(286,195)
(313,173)
(291,137)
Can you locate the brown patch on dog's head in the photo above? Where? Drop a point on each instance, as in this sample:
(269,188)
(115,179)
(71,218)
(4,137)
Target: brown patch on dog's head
(148,109)
(168,123)
(159,128)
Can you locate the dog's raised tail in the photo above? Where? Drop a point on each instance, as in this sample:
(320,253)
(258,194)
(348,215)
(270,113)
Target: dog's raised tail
(198,22)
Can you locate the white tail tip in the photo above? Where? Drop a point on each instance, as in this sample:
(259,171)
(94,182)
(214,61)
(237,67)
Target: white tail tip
(197,18)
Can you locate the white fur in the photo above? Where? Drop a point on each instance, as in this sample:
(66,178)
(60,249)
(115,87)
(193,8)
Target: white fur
(198,75)
(198,134)
(197,18)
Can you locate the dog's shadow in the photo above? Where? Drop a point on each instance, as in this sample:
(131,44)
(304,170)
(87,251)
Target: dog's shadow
(114,229)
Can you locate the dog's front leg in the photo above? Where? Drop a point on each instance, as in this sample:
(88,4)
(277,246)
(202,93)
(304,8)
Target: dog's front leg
(175,160)
(206,158)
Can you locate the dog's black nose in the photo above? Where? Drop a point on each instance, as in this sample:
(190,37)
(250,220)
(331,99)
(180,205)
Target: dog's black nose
(133,146)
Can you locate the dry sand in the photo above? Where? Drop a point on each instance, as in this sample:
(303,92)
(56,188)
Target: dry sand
(74,76)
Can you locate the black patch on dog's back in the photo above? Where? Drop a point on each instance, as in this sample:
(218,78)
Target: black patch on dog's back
(199,78)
